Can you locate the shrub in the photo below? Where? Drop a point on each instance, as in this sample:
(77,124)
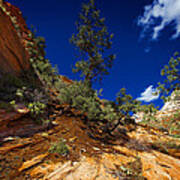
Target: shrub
(82,97)
(108,114)
(59,84)
(60,147)
(36,101)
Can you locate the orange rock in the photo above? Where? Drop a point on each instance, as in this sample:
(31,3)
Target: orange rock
(174,152)
(153,164)
(89,168)
(44,168)
(13,56)
(8,148)
(19,111)
(158,166)
(65,79)
(32,162)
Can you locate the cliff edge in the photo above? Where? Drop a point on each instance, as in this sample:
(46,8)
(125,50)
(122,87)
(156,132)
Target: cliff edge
(13,56)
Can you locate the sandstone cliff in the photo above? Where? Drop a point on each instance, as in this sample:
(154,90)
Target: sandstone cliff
(13,56)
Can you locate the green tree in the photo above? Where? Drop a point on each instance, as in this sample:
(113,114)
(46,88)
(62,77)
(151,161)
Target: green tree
(92,40)
(172,76)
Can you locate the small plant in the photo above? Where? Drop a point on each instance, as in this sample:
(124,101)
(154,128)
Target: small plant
(36,101)
(36,109)
(59,147)
(132,170)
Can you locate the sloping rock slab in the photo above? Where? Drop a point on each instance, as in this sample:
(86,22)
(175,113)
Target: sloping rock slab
(19,111)
(155,166)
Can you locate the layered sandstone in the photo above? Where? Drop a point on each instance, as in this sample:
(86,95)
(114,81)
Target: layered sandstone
(13,56)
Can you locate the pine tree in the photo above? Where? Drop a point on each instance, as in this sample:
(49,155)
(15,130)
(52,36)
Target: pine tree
(92,39)
(172,76)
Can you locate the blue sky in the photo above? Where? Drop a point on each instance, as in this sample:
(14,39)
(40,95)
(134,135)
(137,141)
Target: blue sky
(146,34)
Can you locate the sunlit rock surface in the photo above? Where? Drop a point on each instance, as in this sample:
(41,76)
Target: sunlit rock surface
(171,106)
(147,154)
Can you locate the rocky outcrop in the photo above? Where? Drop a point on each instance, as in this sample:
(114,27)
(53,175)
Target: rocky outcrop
(148,154)
(173,103)
(113,166)
(171,106)
(13,56)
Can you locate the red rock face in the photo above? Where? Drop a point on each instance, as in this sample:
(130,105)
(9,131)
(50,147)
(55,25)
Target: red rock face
(13,56)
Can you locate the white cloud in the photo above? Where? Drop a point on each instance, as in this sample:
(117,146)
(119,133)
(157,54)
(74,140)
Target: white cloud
(160,14)
(149,94)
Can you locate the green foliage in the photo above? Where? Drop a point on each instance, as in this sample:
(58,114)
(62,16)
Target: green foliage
(164,147)
(8,85)
(15,90)
(107,113)
(92,40)
(125,103)
(80,96)
(36,108)
(131,170)
(32,87)
(12,80)
(36,101)
(46,74)
(173,124)
(172,76)
(60,147)
(149,113)
(59,84)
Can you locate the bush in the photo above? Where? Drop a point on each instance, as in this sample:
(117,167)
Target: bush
(59,84)
(108,114)
(60,147)
(36,101)
(81,97)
